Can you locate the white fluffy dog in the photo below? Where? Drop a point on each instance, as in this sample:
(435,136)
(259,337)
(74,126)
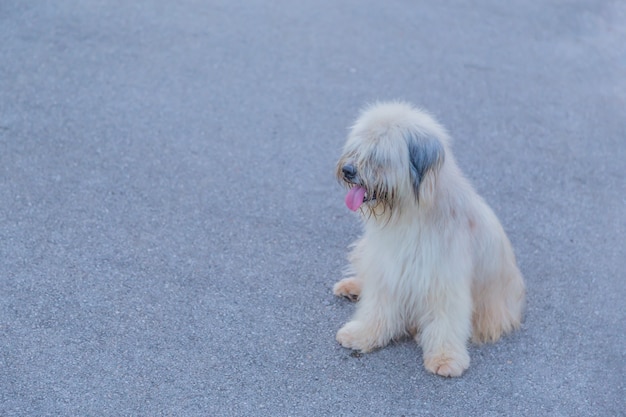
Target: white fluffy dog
(433,261)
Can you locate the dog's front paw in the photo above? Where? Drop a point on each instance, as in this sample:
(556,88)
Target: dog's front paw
(349,288)
(448,365)
(354,335)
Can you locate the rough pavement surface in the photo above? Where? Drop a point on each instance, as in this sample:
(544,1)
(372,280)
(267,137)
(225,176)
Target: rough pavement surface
(170,228)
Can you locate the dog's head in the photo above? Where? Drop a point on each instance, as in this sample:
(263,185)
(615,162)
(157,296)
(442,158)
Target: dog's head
(391,158)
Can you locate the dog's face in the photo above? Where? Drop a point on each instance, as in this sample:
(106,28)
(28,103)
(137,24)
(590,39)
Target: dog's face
(390,157)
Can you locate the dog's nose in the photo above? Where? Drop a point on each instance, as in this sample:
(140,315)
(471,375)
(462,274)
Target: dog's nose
(349,172)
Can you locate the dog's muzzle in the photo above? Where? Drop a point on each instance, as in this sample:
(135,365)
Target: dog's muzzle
(358,193)
(349,172)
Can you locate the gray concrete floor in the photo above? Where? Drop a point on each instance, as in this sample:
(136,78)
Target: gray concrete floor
(170,228)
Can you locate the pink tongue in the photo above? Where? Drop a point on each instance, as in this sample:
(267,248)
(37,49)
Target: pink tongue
(354,199)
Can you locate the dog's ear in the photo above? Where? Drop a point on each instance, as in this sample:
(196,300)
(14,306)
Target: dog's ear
(426,154)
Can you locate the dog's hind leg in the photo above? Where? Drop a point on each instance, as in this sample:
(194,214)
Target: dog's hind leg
(498,303)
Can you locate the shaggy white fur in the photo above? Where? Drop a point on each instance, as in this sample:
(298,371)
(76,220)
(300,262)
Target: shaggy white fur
(433,261)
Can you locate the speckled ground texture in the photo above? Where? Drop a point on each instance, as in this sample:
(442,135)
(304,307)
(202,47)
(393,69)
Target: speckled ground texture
(170,228)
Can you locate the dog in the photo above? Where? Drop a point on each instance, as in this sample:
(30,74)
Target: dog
(433,261)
